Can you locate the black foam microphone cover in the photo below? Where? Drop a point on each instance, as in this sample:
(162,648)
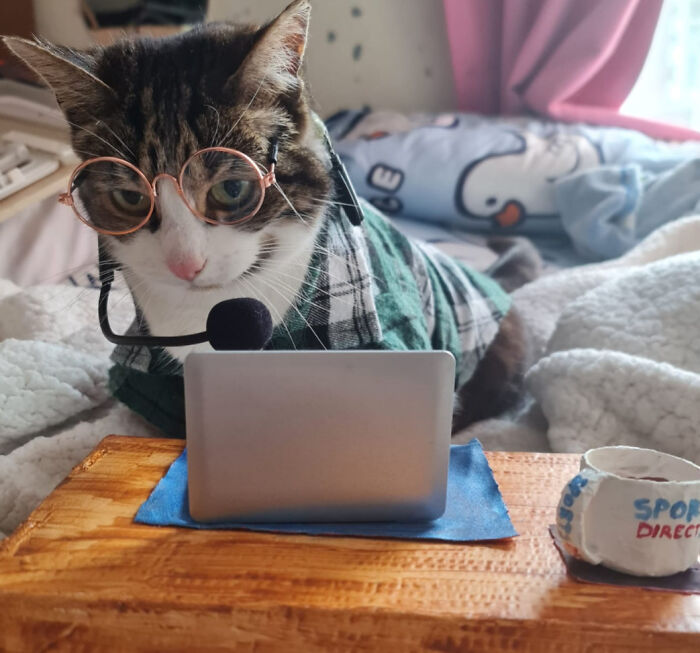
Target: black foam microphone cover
(239,324)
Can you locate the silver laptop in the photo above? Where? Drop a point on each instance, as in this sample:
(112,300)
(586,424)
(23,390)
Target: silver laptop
(276,436)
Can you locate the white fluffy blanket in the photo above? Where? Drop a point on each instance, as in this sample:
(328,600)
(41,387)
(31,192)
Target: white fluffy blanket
(622,365)
(617,347)
(54,402)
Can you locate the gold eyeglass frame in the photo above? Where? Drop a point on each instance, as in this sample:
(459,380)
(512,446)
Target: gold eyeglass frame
(264,179)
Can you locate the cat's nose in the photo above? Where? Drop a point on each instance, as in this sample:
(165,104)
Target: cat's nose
(186,269)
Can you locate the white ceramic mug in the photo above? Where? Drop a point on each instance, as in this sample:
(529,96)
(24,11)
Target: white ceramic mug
(633,510)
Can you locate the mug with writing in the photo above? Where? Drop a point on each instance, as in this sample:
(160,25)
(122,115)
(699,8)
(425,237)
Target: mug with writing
(633,510)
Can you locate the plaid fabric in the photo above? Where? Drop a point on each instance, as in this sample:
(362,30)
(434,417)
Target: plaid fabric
(367,287)
(336,307)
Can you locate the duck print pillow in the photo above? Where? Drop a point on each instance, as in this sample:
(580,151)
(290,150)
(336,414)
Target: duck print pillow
(480,173)
(604,188)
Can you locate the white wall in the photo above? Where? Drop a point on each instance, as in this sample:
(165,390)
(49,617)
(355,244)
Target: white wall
(61,21)
(389,54)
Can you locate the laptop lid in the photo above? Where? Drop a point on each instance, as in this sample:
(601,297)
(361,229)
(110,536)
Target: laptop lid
(318,436)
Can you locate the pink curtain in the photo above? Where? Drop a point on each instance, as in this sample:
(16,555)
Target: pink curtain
(571,60)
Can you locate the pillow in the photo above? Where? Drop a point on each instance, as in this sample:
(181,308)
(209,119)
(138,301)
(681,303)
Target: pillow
(481,173)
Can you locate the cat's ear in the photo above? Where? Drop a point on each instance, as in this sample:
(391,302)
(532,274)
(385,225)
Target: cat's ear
(69,73)
(276,57)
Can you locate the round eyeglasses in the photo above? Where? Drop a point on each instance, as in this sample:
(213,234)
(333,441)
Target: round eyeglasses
(219,185)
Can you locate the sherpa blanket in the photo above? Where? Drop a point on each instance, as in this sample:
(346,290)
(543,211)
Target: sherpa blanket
(623,363)
(629,375)
(54,403)
(617,353)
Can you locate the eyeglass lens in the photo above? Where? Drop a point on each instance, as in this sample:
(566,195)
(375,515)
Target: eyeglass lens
(111,196)
(220,186)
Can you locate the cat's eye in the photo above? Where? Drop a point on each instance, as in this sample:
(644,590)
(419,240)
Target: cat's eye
(223,186)
(131,201)
(111,196)
(231,194)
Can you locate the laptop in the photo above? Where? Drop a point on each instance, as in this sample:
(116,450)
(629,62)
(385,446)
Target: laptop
(306,436)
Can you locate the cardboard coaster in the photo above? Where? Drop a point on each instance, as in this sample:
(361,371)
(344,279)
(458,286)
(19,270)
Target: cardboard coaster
(686,582)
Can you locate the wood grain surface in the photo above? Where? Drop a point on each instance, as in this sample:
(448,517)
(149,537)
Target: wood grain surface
(78,575)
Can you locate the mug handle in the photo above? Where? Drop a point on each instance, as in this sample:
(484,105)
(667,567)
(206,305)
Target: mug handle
(571,511)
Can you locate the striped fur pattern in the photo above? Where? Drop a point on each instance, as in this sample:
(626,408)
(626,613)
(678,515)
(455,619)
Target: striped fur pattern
(154,102)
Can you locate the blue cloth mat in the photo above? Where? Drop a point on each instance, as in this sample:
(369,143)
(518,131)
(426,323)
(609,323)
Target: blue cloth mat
(475,508)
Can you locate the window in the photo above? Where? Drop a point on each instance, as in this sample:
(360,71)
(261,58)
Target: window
(668,88)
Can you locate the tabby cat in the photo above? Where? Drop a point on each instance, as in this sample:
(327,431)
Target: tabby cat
(153,103)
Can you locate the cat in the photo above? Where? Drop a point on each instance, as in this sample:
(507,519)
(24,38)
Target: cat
(153,103)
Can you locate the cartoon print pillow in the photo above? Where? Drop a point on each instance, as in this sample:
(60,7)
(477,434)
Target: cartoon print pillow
(505,189)
(480,173)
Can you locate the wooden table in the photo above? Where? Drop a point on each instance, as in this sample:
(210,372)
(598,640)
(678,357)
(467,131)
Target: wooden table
(80,576)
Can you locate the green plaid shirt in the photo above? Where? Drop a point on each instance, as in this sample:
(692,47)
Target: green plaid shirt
(368,287)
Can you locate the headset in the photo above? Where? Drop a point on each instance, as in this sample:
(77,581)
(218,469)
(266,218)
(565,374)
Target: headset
(241,323)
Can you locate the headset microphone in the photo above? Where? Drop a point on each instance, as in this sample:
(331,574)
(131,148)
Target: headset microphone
(243,323)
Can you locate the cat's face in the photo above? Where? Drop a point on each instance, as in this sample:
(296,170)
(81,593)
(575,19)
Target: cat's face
(154,103)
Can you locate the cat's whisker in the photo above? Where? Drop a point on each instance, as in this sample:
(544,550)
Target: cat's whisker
(257,90)
(82,292)
(289,288)
(101,122)
(63,275)
(315,199)
(316,246)
(286,199)
(140,286)
(304,282)
(66,307)
(280,320)
(294,306)
(329,202)
(91,155)
(60,287)
(218,119)
(134,285)
(327,252)
(126,293)
(185,299)
(86,130)
(295,249)
(354,267)
(362,272)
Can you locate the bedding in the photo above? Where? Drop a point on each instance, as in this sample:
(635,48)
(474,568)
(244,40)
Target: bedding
(623,364)
(54,403)
(587,193)
(44,242)
(56,409)
(617,358)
